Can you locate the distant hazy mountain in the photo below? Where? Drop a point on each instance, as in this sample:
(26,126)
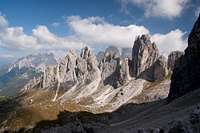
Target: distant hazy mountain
(13,77)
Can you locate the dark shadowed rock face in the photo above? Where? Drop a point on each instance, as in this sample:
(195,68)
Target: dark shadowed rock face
(186,74)
(172,58)
(144,54)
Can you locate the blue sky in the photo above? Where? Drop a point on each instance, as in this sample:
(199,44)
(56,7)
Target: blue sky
(31,26)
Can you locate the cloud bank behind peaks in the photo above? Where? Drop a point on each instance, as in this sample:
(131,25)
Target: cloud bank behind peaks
(96,31)
(14,38)
(92,31)
(159,8)
(170,42)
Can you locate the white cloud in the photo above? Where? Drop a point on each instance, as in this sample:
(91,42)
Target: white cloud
(197,12)
(170,42)
(14,38)
(92,31)
(50,41)
(43,35)
(160,8)
(95,31)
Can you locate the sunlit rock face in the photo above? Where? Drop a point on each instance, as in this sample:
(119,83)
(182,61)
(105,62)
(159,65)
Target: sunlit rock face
(172,58)
(62,72)
(86,66)
(49,77)
(146,62)
(157,71)
(124,71)
(186,73)
(144,55)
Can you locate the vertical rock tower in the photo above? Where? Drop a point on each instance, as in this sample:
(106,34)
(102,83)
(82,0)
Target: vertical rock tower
(144,54)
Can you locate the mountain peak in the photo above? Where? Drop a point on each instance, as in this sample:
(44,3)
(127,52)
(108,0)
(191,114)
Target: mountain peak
(37,61)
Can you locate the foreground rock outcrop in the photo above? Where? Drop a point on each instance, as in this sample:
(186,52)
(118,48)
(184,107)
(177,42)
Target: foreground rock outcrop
(186,74)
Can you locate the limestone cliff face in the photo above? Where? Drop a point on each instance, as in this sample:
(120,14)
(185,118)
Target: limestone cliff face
(186,74)
(157,71)
(49,77)
(144,54)
(172,58)
(146,62)
(63,72)
(115,69)
(124,71)
(86,66)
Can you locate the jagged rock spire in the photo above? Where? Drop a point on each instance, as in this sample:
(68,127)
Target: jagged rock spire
(124,70)
(85,52)
(144,54)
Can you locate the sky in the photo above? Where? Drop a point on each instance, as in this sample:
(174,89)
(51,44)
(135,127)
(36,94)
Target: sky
(33,26)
